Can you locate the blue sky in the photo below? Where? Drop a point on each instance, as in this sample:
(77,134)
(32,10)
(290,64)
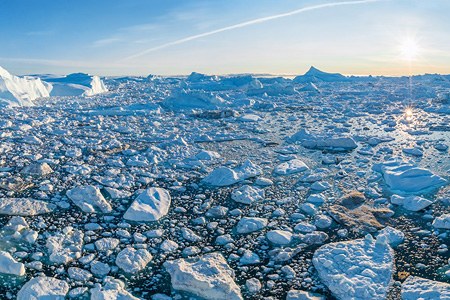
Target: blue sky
(141,37)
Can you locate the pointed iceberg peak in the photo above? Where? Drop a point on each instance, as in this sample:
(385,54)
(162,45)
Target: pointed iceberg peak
(316,75)
(313,70)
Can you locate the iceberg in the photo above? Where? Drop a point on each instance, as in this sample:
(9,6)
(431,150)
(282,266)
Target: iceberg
(76,84)
(20,91)
(315,75)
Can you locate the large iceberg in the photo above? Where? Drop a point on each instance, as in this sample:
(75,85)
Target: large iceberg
(315,75)
(20,91)
(76,84)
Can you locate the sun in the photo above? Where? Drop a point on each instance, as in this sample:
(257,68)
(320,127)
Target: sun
(409,114)
(409,49)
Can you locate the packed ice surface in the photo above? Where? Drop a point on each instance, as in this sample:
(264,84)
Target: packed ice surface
(206,186)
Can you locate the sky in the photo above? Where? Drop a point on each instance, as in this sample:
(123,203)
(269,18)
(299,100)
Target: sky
(175,37)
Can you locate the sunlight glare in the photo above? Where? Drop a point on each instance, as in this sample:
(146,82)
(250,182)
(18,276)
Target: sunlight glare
(408,114)
(409,49)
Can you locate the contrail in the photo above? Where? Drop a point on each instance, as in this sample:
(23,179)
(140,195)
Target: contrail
(248,23)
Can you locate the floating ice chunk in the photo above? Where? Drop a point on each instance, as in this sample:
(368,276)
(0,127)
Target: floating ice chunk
(43,287)
(248,169)
(261,181)
(320,186)
(420,288)
(151,205)
(410,179)
(89,199)
(303,295)
(250,224)
(207,155)
(358,269)
(334,144)
(413,151)
(17,229)
(8,265)
(394,236)
(221,176)
(111,289)
(290,167)
(168,246)
(249,258)
(24,207)
(224,176)
(253,285)
(207,276)
(249,118)
(106,244)
(279,237)
(412,203)
(65,246)
(247,194)
(442,222)
(132,261)
(79,274)
(37,169)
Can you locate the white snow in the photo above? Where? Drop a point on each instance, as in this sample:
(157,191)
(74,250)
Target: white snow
(207,276)
(358,269)
(151,205)
(17,91)
(43,287)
